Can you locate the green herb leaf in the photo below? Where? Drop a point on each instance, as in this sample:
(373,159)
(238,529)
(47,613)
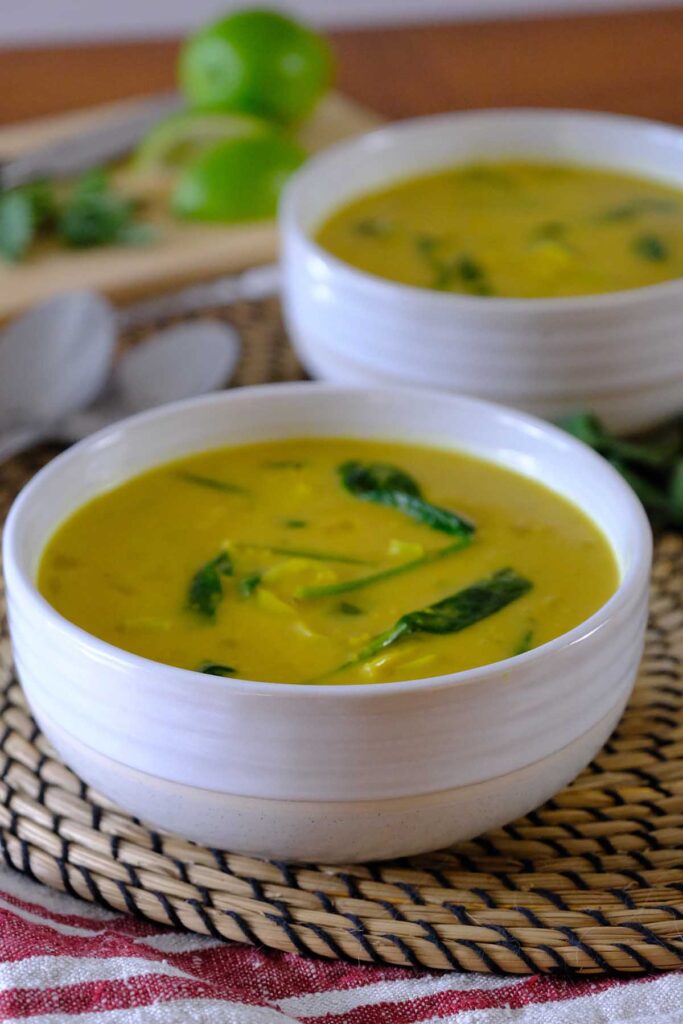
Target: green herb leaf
(248,584)
(654,498)
(206,588)
(489,176)
(651,247)
(676,492)
(213,668)
(448,272)
(43,203)
(347,608)
(334,589)
(294,524)
(374,227)
(17,225)
(588,428)
(210,482)
(314,555)
(450,615)
(525,643)
(284,464)
(651,466)
(93,214)
(384,484)
(635,207)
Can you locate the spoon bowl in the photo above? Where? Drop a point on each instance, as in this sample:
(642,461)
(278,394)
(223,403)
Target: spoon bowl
(54,360)
(178,362)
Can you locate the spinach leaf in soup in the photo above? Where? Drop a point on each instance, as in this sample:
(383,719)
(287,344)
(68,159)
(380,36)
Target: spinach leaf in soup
(312,553)
(348,608)
(214,668)
(249,584)
(651,247)
(387,485)
(525,642)
(452,614)
(459,271)
(361,582)
(206,587)
(638,206)
(374,227)
(211,483)
(284,464)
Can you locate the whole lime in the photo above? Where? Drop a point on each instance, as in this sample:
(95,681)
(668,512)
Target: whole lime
(239,179)
(256,62)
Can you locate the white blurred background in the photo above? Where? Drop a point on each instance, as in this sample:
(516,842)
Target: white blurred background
(32,22)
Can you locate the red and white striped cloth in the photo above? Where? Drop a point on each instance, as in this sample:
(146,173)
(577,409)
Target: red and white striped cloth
(67,962)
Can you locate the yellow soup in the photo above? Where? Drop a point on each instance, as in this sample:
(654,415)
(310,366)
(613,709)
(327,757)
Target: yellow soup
(515,229)
(327,560)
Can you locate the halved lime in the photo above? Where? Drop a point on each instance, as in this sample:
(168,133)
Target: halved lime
(237,179)
(180,138)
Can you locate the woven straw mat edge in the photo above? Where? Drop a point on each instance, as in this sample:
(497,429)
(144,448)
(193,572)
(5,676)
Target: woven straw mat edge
(592,882)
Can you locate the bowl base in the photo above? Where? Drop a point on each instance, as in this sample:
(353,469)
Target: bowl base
(330,831)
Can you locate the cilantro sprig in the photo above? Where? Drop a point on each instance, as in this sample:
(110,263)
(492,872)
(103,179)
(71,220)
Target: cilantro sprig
(90,213)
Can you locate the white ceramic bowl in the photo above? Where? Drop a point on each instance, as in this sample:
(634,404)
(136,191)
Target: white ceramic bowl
(620,354)
(335,773)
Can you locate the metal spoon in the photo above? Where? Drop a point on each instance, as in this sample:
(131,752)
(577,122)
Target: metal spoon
(53,360)
(56,360)
(178,362)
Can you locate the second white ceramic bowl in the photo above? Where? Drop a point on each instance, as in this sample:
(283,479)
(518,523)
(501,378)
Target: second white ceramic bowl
(619,354)
(330,773)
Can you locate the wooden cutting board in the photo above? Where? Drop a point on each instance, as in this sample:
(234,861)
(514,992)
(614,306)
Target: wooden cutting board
(181,252)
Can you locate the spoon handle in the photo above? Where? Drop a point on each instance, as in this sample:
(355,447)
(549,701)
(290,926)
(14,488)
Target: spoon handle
(15,441)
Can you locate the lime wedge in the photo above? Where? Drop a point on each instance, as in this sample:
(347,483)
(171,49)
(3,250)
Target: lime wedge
(180,138)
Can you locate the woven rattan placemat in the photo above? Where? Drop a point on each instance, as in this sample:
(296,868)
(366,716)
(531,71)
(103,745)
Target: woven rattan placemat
(591,882)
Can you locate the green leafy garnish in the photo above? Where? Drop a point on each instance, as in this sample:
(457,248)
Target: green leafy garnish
(206,587)
(384,484)
(284,464)
(654,454)
(334,589)
(525,643)
(91,213)
(17,227)
(294,524)
(374,227)
(94,214)
(248,584)
(634,207)
(347,608)
(650,465)
(23,213)
(210,482)
(651,247)
(676,492)
(450,615)
(213,668)
(481,175)
(314,555)
(452,271)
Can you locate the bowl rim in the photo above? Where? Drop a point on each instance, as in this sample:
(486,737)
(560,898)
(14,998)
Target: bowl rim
(630,582)
(383,288)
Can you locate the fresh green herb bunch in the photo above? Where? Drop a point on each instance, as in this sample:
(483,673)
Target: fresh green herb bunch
(652,464)
(90,214)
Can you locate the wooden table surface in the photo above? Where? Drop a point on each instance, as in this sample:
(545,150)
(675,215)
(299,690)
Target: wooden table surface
(627,62)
